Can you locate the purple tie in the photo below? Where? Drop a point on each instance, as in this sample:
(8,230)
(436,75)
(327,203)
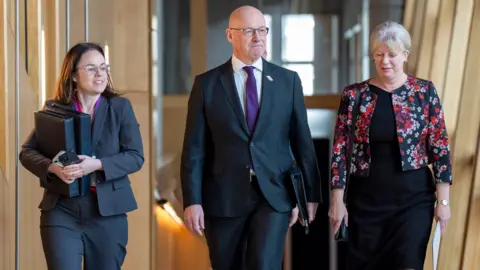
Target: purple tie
(252,98)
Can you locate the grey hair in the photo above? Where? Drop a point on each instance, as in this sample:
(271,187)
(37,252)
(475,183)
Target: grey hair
(391,34)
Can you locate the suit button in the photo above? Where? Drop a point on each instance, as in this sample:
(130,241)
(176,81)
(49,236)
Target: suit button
(251,144)
(247,166)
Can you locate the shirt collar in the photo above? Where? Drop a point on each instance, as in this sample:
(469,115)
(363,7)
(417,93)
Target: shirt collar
(238,65)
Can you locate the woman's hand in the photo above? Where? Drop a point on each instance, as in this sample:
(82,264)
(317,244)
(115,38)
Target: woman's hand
(442,215)
(87,166)
(337,212)
(58,171)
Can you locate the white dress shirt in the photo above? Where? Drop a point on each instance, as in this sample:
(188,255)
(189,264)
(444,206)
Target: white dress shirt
(240,77)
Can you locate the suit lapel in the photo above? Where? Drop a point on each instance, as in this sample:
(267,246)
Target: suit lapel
(231,92)
(99,120)
(266,103)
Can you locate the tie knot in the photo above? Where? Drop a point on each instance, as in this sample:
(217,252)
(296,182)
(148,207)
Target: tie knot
(248,69)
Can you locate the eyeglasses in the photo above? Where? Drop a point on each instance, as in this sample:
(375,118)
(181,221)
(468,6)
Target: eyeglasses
(248,32)
(93,69)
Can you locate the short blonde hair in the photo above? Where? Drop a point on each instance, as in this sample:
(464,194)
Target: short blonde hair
(391,34)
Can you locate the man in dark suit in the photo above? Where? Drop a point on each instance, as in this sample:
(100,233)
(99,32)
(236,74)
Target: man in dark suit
(242,118)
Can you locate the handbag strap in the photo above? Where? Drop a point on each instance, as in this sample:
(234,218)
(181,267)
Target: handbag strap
(349,148)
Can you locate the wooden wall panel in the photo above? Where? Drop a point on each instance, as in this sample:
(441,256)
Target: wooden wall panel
(174,117)
(408,14)
(22,10)
(426,43)
(30,192)
(471,260)
(10,94)
(124,25)
(7,188)
(198,37)
(53,52)
(31,252)
(34,24)
(416,32)
(10,12)
(3,85)
(441,44)
(465,150)
(77,22)
(131,55)
(456,61)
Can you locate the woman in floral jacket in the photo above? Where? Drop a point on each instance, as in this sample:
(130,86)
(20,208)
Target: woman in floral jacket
(399,132)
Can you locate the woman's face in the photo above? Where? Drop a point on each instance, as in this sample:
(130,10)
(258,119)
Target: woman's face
(389,60)
(92,73)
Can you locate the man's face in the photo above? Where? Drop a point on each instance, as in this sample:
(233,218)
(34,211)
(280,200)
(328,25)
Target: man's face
(248,35)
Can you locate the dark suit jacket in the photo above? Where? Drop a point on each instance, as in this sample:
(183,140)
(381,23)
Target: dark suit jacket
(116,141)
(218,147)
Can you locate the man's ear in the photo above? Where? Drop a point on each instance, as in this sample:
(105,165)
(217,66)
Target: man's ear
(228,34)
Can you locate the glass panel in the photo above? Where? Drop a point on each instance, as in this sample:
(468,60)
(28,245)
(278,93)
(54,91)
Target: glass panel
(298,38)
(307,76)
(268,20)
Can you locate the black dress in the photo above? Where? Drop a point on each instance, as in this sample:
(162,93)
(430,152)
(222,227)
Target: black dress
(390,211)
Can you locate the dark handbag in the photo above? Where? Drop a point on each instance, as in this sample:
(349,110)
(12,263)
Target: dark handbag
(342,233)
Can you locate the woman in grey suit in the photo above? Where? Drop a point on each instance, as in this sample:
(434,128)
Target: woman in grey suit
(93,225)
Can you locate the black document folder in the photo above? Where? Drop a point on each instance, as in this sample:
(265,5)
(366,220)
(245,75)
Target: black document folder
(55,133)
(82,134)
(82,126)
(298,184)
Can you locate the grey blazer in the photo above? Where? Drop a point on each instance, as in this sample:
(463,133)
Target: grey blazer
(116,141)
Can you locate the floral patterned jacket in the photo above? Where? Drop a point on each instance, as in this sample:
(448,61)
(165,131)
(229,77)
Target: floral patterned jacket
(422,135)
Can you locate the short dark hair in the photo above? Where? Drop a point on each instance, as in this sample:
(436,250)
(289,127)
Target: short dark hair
(65,88)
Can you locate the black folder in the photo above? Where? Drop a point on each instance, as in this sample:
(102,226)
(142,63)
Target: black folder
(83,141)
(298,184)
(300,194)
(82,122)
(55,133)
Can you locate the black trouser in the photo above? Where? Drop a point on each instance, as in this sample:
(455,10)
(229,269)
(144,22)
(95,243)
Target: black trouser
(254,242)
(74,229)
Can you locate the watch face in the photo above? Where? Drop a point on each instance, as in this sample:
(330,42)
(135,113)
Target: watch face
(444,202)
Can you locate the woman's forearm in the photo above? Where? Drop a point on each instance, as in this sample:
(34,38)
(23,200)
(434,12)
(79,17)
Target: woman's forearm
(443,191)
(337,194)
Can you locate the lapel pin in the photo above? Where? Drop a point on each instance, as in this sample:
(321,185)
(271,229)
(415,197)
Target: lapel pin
(269,78)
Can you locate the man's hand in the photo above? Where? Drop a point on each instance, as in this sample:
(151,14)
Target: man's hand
(312,211)
(194,219)
(294,217)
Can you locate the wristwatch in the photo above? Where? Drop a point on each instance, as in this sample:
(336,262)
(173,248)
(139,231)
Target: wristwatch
(442,202)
